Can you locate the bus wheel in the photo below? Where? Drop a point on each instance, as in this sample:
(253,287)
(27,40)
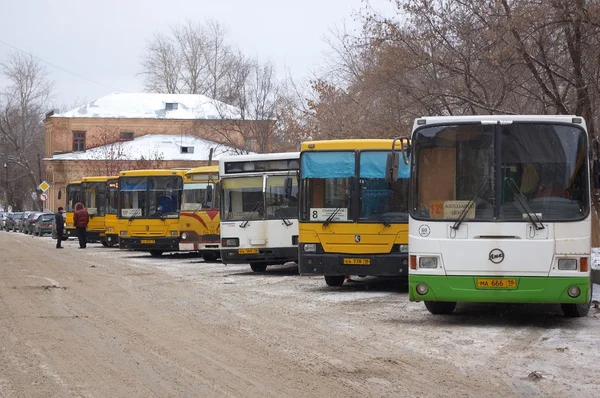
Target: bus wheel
(440,307)
(258,267)
(211,257)
(578,310)
(156,253)
(334,280)
(104,243)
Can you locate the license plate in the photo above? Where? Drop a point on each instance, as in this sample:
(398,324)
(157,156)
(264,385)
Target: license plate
(247,251)
(489,283)
(147,241)
(357,261)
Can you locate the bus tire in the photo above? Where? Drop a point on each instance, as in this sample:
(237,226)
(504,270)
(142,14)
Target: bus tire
(156,253)
(104,243)
(578,310)
(209,257)
(334,280)
(258,267)
(440,307)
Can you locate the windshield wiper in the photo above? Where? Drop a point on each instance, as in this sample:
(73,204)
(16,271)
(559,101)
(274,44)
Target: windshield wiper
(381,218)
(134,214)
(465,211)
(256,208)
(337,209)
(533,217)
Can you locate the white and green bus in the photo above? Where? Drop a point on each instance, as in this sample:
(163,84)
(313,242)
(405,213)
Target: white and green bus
(500,212)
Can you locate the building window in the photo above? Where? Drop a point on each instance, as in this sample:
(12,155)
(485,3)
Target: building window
(126,136)
(187,149)
(78,141)
(171,106)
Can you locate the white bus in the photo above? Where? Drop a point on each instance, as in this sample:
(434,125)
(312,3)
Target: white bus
(500,212)
(259,209)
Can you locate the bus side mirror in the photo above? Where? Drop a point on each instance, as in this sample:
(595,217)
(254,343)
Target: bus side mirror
(596,173)
(405,148)
(209,193)
(59,193)
(288,187)
(391,167)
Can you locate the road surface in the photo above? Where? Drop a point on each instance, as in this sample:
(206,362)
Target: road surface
(107,323)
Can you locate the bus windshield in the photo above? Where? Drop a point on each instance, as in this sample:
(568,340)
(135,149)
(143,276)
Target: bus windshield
(282,204)
(196,197)
(112,195)
(73,196)
(500,172)
(150,197)
(332,187)
(94,197)
(243,199)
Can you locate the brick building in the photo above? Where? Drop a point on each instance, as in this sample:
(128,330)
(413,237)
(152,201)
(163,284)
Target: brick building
(125,131)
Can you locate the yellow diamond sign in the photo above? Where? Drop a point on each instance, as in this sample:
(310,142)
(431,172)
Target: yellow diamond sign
(44,186)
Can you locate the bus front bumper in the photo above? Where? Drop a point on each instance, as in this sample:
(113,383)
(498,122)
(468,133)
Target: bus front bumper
(150,243)
(94,236)
(392,264)
(268,256)
(540,289)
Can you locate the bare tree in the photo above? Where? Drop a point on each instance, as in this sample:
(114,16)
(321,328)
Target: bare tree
(22,105)
(161,65)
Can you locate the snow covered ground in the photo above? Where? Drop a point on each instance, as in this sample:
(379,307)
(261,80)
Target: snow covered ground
(596,258)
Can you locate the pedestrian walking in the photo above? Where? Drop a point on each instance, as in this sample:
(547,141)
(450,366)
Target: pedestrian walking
(59,222)
(81,219)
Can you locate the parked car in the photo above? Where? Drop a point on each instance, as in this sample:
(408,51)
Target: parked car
(25,227)
(13,221)
(23,219)
(43,224)
(65,235)
(31,220)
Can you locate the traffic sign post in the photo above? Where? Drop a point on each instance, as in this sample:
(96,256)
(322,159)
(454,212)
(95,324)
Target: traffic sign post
(44,186)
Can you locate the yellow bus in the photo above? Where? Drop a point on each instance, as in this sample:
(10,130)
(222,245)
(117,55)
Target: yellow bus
(94,199)
(352,220)
(111,222)
(200,230)
(74,196)
(148,211)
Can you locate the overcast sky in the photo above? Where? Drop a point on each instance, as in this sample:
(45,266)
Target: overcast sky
(103,40)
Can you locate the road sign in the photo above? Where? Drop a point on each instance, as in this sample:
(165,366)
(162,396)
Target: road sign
(44,186)
(43,197)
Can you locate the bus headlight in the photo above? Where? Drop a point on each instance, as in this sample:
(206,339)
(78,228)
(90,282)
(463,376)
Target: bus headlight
(70,224)
(427,262)
(573,291)
(422,288)
(123,233)
(567,264)
(310,247)
(184,236)
(403,248)
(230,242)
(174,233)
(111,229)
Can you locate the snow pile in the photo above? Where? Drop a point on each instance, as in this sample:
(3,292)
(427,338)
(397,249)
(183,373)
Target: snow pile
(154,106)
(153,146)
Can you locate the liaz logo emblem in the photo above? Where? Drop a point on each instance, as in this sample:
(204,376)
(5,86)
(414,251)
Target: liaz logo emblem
(357,238)
(496,256)
(147,228)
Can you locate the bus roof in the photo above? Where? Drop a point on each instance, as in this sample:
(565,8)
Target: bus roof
(203,169)
(259,156)
(351,144)
(571,119)
(74,183)
(153,172)
(95,179)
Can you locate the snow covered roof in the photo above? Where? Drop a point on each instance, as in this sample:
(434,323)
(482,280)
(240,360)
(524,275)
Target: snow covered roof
(153,146)
(154,106)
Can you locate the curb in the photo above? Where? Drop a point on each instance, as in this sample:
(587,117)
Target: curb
(595,275)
